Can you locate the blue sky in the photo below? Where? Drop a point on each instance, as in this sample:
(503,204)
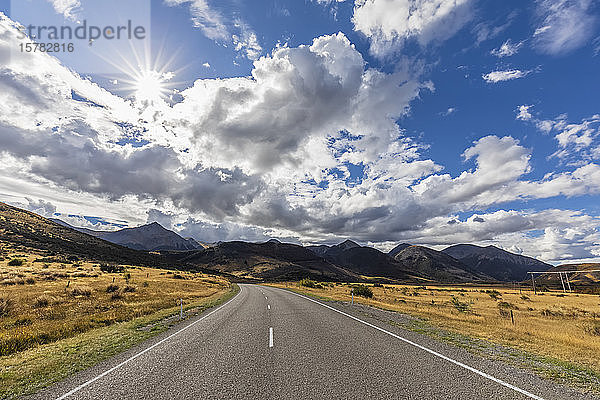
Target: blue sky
(431,122)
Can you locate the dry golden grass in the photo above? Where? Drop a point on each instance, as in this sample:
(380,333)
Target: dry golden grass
(566,327)
(43,302)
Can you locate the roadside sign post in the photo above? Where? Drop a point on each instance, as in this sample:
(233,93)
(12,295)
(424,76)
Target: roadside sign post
(352,292)
(181,309)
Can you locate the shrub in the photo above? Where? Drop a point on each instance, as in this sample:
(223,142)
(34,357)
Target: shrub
(362,290)
(178,276)
(524,297)
(550,313)
(145,284)
(494,294)
(377,285)
(30,281)
(112,269)
(507,305)
(15,262)
(593,328)
(6,306)
(461,306)
(309,284)
(129,289)
(23,322)
(112,288)
(116,295)
(43,301)
(81,291)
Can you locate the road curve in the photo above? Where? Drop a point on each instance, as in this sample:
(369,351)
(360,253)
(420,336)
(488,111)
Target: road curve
(269,343)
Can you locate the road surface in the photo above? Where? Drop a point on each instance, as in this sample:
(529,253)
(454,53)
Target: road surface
(269,343)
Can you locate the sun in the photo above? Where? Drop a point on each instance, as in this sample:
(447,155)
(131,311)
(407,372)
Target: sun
(150,85)
(143,77)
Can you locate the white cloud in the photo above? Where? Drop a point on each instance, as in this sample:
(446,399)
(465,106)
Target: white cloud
(206,65)
(210,21)
(246,41)
(524,114)
(501,76)
(565,25)
(489,30)
(449,111)
(274,153)
(68,8)
(218,27)
(389,23)
(80,221)
(578,143)
(41,207)
(507,49)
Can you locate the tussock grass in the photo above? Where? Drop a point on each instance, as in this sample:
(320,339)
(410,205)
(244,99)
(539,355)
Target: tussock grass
(27,371)
(66,300)
(565,328)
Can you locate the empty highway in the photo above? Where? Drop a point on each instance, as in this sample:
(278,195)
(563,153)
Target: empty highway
(269,343)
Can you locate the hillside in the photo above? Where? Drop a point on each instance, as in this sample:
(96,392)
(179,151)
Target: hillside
(398,249)
(437,265)
(365,261)
(271,261)
(497,263)
(23,231)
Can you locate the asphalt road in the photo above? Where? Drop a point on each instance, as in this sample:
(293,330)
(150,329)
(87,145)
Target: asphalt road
(269,343)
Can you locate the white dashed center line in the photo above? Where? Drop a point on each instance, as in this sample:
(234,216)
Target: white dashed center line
(270,337)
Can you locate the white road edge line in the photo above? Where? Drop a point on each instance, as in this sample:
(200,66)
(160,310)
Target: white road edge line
(78,388)
(435,353)
(270,337)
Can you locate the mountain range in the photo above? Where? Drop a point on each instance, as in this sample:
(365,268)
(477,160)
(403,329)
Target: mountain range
(153,244)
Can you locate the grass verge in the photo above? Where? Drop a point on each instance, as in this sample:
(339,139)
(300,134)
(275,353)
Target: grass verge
(29,371)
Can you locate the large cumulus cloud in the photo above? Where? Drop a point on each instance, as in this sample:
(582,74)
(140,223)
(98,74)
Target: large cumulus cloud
(307,146)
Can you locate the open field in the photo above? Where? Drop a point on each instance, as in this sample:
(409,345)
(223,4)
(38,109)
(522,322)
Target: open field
(60,317)
(557,325)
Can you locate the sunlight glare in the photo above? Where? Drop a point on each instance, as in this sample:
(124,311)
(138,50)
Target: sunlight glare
(150,86)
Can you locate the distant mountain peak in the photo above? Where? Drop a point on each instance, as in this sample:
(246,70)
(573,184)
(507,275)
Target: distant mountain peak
(153,225)
(347,244)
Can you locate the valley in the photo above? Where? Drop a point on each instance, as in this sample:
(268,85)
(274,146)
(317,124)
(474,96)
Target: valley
(74,297)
